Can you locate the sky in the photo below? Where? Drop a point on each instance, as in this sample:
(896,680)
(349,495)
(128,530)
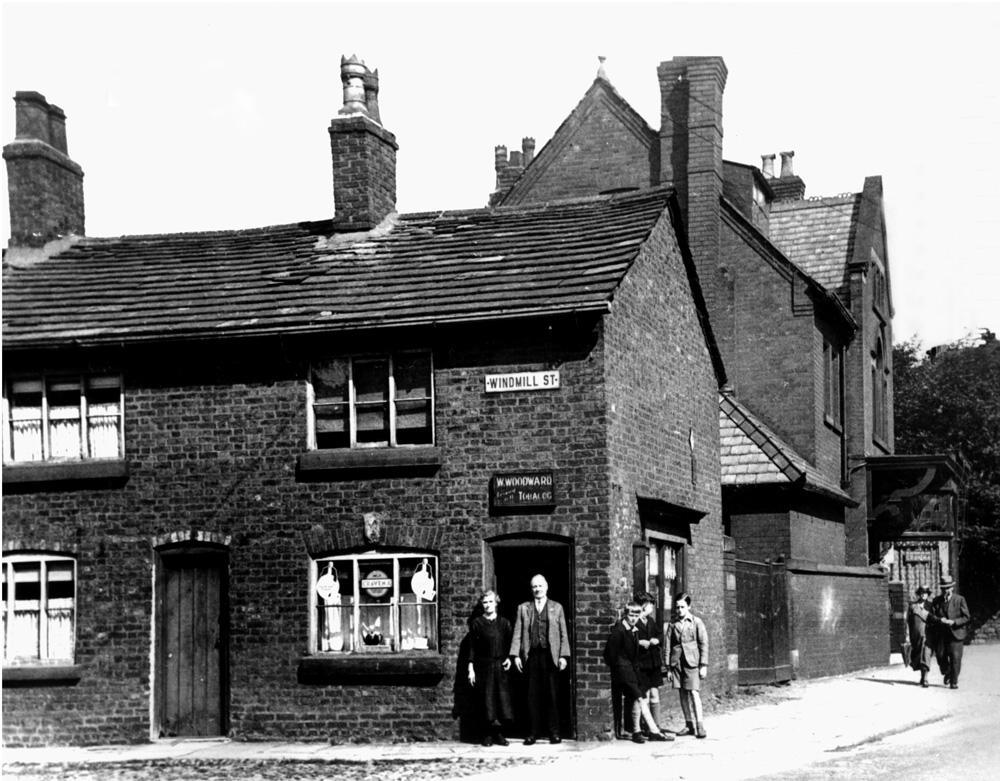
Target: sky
(203,116)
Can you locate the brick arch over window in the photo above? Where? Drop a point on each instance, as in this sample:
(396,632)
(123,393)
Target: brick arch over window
(320,540)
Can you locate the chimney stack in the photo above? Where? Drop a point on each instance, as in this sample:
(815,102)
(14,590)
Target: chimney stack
(691,90)
(767,166)
(510,167)
(45,187)
(788,186)
(363,152)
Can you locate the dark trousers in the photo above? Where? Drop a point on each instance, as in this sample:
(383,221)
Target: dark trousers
(950,659)
(543,692)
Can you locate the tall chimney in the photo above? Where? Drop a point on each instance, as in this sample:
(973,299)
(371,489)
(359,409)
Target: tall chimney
(691,91)
(45,187)
(528,150)
(363,152)
(786,164)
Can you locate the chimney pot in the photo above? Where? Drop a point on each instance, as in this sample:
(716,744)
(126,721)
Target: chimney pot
(767,165)
(352,75)
(515,159)
(499,158)
(786,164)
(371,95)
(528,150)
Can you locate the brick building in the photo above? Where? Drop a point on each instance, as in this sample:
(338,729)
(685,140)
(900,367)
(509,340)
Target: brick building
(798,292)
(256,479)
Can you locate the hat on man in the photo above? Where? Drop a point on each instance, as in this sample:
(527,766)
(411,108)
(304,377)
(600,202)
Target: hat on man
(947,583)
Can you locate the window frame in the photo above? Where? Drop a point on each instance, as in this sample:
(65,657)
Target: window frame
(657,544)
(354,560)
(43,560)
(83,382)
(833,384)
(391,400)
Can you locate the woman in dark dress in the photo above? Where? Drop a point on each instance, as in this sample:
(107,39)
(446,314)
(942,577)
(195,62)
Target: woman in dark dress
(490,636)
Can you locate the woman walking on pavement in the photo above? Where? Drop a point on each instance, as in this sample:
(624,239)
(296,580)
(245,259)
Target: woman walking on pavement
(490,636)
(688,654)
(921,649)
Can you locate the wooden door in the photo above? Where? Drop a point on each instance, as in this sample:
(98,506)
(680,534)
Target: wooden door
(192,647)
(762,623)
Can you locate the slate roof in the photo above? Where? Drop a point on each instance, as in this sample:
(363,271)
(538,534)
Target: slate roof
(422,268)
(752,455)
(817,235)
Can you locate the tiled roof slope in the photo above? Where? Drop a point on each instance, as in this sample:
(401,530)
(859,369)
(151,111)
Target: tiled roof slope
(818,236)
(752,454)
(427,267)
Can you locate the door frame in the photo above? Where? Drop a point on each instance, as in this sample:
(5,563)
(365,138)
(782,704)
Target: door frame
(537,541)
(187,549)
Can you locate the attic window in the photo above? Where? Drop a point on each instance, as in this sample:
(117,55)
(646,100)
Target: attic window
(372,401)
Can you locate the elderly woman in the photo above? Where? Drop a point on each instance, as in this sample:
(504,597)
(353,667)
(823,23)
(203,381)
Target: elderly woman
(921,649)
(490,637)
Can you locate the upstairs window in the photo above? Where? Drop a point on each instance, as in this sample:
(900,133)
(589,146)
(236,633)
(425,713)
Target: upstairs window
(833,373)
(372,401)
(63,418)
(374,602)
(880,394)
(39,609)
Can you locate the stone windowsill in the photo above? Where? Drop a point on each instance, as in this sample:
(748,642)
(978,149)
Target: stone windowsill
(97,471)
(348,464)
(414,668)
(42,675)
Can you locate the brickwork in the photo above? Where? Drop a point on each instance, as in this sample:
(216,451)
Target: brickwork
(839,620)
(656,397)
(364,172)
(599,148)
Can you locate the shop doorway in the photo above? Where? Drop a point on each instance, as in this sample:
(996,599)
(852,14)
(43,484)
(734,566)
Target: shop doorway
(510,565)
(192,633)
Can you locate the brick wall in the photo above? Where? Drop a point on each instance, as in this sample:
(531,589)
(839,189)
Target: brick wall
(660,385)
(212,441)
(839,619)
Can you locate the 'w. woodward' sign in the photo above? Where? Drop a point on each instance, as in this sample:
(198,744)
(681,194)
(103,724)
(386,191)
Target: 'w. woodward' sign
(523,489)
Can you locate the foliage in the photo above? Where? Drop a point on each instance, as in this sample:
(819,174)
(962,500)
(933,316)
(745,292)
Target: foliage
(949,402)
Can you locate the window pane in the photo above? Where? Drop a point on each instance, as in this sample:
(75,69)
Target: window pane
(329,381)
(103,417)
(418,624)
(331,425)
(336,626)
(377,588)
(413,423)
(64,419)
(372,422)
(371,380)
(412,373)
(26,420)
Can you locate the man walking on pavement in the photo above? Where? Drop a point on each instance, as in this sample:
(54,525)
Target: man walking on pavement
(949,615)
(541,643)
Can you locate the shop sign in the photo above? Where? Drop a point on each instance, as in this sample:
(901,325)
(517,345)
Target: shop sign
(523,489)
(377,584)
(522,381)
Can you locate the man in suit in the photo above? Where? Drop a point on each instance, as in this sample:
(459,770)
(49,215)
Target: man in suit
(949,616)
(541,644)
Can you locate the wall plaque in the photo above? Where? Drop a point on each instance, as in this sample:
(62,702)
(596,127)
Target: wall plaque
(522,381)
(523,489)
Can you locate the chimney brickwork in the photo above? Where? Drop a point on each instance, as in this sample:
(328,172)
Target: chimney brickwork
(45,187)
(363,153)
(691,90)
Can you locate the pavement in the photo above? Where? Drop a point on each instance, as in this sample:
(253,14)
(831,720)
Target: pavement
(811,721)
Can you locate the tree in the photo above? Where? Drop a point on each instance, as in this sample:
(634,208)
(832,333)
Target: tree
(949,401)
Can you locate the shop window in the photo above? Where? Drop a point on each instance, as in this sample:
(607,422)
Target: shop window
(39,609)
(372,401)
(374,602)
(62,418)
